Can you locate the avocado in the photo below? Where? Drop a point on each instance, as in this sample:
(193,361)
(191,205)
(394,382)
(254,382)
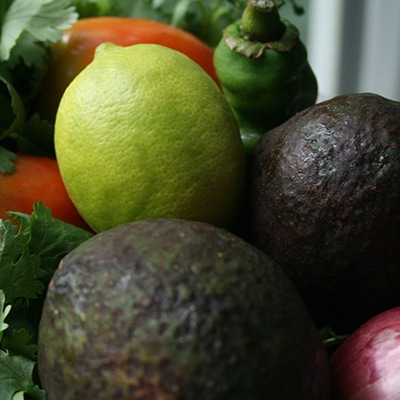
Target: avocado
(175,309)
(324,203)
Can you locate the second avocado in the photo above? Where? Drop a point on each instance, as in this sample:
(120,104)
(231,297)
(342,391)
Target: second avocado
(178,310)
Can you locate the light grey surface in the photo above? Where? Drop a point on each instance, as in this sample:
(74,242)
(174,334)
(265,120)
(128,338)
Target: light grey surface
(353,45)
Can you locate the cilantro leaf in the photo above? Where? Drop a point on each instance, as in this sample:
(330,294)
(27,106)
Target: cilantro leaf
(6,161)
(16,376)
(31,51)
(30,252)
(19,342)
(43,19)
(203,18)
(206,19)
(36,137)
(20,271)
(12,108)
(49,238)
(4,311)
(27,29)
(89,8)
(31,248)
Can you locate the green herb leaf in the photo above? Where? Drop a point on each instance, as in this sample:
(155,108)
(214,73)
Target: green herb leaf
(44,237)
(43,19)
(36,137)
(19,342)
(12,108)
(6,161)
(27,27)
(20,270)
(30,251)
(21,337)
(16,376)
(203,18)
(19,396)
(30,51)
(89,8)
(49,238)
(4,311)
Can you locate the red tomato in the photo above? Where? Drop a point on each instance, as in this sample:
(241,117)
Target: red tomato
(37,179)
(76,49)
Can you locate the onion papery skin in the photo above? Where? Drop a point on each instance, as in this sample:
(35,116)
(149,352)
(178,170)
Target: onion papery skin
(367,364)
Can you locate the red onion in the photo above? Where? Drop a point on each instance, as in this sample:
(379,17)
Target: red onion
(366,366)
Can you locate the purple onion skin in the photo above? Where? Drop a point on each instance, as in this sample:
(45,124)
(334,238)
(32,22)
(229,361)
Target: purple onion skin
(366,366)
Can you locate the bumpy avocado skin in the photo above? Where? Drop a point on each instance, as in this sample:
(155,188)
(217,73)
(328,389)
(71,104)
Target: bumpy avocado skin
(325,205)
(171,309)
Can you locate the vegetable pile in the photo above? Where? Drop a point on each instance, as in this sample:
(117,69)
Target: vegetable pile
(34,241)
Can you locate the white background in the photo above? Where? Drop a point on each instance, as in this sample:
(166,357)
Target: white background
(353,45)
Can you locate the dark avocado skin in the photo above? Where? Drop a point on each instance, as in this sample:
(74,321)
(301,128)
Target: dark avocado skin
(324,201)
(171,309)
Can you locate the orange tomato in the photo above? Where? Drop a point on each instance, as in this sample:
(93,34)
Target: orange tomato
(76,49)
(37,179)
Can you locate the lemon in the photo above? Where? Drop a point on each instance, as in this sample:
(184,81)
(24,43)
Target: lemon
(144,132)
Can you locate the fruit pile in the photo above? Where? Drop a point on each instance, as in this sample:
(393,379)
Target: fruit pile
(182,220)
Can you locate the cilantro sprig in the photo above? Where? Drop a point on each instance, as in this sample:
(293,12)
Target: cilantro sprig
(31,247)
(27,23)
(27,29)
(206,19)
(203,18)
